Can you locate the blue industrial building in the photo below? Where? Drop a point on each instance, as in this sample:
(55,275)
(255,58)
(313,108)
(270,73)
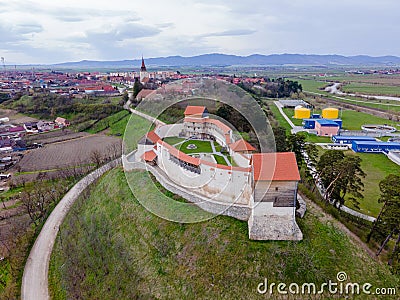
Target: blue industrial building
(310,123)
(348,139)
(374,147)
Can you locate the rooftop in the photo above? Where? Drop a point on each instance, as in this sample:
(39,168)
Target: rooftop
(241,145)
(280,166)
(195,110)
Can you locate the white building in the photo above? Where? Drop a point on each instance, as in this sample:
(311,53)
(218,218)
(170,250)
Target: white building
(264,183)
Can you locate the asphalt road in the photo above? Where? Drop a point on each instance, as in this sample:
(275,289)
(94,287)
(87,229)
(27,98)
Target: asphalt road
(35,277)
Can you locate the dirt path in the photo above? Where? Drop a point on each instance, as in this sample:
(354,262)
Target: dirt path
(323,216)
(35,277)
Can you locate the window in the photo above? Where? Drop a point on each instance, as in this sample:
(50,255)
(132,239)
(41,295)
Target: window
(276,188)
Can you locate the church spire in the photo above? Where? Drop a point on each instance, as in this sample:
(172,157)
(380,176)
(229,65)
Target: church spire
(143,68)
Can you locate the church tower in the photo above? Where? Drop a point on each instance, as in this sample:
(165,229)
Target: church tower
(143,72)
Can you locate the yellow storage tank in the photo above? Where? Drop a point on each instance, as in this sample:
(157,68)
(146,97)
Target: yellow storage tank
(302,113)
(330,113)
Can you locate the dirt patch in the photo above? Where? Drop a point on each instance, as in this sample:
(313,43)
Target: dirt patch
(65,154)
(55,136)
(15,117)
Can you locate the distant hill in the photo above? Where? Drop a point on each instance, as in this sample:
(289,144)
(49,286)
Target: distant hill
(216,59)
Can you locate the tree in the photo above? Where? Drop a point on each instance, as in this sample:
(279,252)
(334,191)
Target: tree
(296,143)
(387,223)
(280,138)
(340,175)
(137,87)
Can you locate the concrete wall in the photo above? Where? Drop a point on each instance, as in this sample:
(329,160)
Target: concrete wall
(220,185)
(169,130)
(326,130)
(141,149)
(280,193)
(240,159)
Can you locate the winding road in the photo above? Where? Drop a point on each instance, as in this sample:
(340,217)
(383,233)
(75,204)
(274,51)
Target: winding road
(35,277)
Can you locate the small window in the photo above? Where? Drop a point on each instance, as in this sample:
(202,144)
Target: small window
(276,188)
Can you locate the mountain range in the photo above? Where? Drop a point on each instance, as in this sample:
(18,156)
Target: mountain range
(225,60)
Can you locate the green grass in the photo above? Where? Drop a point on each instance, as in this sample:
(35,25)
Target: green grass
(281,120)
(376,168)
(109,122)
(202,147)
(136,128)
(353,120)
(110,247)
(220,160)
(371,89)
(173,140)
(312,138)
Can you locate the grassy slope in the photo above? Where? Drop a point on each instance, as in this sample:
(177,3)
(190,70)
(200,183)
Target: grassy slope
(112,248)
(136,128)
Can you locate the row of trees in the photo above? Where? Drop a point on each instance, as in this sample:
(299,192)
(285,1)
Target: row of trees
(278,88)
(387,225)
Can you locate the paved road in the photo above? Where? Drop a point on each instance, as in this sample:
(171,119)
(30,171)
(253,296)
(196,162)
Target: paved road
(35,277)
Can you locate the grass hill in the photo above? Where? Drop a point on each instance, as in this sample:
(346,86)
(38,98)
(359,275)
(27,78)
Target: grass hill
(110,247)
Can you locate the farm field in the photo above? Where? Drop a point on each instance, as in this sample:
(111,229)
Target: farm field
(109,243)
(68,153)
(371,89)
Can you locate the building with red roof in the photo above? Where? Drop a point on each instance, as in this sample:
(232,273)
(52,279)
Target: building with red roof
(263,183)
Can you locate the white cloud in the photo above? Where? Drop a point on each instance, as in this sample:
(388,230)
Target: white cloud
(46,31)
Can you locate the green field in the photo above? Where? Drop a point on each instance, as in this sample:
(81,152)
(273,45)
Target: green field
(353,120)
(110,247)
(376,168)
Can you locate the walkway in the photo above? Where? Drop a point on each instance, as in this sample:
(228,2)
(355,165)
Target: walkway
(143,115)
(295,129)
(35,277)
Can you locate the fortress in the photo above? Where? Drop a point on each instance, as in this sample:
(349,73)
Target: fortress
(258,187)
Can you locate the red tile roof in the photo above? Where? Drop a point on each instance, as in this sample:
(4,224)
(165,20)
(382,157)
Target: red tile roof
(280,166)
(241,145)
(152,136)
(149,155)
(194,110)
(180,155)
(144,93)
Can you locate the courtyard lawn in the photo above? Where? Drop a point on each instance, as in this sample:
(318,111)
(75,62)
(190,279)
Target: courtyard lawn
(201,147)
(173,140)
(220,160)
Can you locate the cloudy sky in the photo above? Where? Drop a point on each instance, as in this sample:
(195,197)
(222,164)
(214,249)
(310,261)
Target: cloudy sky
(50,31)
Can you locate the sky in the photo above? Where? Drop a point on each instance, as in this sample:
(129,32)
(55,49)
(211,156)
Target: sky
(53,31)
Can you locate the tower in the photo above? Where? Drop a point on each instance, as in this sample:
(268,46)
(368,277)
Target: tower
(143,72)
(143,68)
